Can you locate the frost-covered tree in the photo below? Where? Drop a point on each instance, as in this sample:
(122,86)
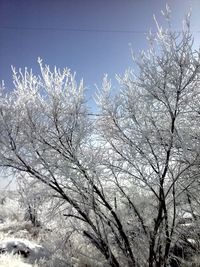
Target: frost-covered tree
(152,135)
(120,179)
(46,133)
(32,199)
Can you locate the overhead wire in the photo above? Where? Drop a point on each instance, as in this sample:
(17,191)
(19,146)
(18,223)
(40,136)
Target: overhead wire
(79,30)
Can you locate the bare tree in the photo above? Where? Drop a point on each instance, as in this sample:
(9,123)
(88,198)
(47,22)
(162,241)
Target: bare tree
(150,129)
(32,198)
(46,133)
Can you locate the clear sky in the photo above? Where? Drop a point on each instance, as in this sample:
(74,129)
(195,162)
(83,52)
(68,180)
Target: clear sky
(90,37)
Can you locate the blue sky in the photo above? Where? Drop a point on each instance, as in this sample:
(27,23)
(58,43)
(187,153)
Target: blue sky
(90,37)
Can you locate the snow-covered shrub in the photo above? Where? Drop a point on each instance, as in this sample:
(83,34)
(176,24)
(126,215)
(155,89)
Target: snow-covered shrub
(27,249)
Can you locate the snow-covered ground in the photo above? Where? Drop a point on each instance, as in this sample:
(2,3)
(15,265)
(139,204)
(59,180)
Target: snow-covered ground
(9,260)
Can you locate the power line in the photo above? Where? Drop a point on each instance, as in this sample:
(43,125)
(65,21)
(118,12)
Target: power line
(69,29)
(78,30)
